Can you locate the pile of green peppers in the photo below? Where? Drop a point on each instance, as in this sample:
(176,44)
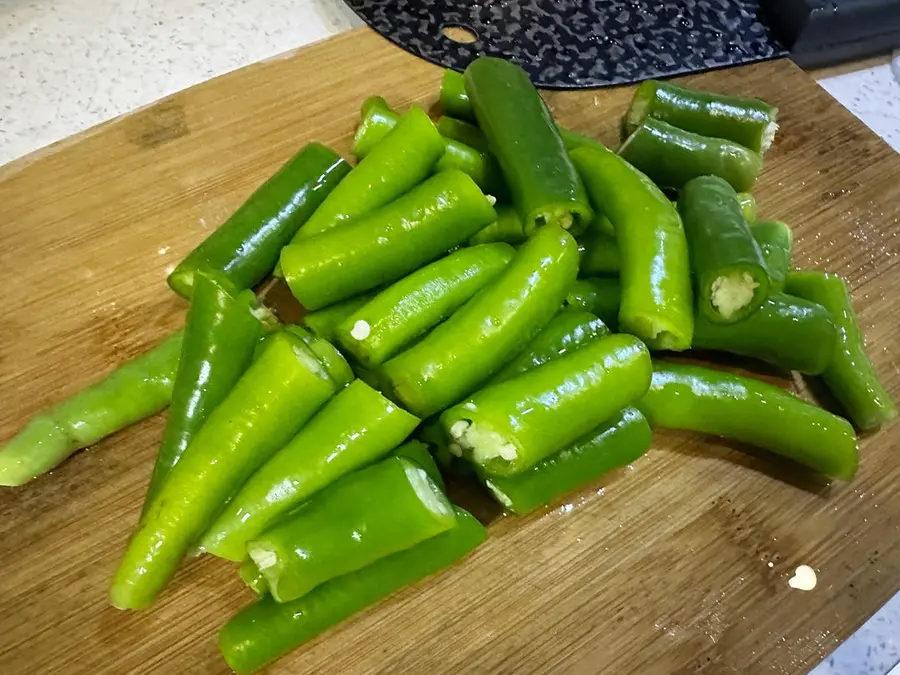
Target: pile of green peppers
(472,302)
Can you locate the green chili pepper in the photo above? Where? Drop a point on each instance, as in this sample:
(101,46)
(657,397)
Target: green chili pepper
(254,579)
(454,99)
(750,411)
(508,428)
(568,331)
(613,444)
(599,253)
(353,429)
(851,377)
(544,185)
(455,103)
(748,206)
(600,296)
(410,307)
(418,452)
(776,242)
(135,390)
(388,243)
(220,336)
(462,132)
(507,228)
(671,156)
(377,121)
(787,332)
(367,515)
(271,401)
(488,331)
(432,432)
(267,629)
(332,360)
(245,248)
(403,159)
(729,271)
(657,304)
(324,322)
(747,121)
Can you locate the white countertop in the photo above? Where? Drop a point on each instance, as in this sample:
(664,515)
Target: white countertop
(67,65)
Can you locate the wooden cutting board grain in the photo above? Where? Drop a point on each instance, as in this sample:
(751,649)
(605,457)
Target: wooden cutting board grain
(679,564)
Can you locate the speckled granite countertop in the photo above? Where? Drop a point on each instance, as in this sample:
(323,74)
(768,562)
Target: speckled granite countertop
(66,66)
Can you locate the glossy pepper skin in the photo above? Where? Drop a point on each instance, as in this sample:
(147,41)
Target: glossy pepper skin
(729,271)
(419,453)
(367,515)
(332,360)
(355,428)
(254,579)
(750,411)
(598,295)
(507,228)
(220,335)
(787,332)
(463,132)
(567,332)
(245,248)
(508,428)
(657,300)
(747,121)
(599,253)
(776,241)
(403,159)
(377,121)
(404,311)
(851,377)
(388,243)
(671,156)
(267,629)
(613,444)
(324,322)
(748,206)
(490,329)
(137,389)
(544,186)
(272,400)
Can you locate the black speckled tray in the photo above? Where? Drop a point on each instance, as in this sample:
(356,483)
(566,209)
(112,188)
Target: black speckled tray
(567,44)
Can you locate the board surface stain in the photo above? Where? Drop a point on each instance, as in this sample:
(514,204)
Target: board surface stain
(665,571)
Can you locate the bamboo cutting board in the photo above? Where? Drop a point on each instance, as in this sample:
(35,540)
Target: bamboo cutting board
(677,565)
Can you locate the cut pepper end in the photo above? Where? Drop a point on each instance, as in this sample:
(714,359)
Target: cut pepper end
(731,294)
(428,492)
(499,495)
(485,446)
(768,135)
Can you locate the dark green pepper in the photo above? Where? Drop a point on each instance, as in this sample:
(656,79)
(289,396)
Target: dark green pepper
(267,629)
(776,241)
(729,271)
(406,310)
(601,296)
(377,121)
(387,243)
(508,428)
(507,228)
(671,156)
(324,322)
(747,121)
(245,248)
(611,445)
(787,332)
(599,253)
(567,332)
(355,428)
(544,186)
(488,331)
(851,377)
(750,411)
(657,301)
(220,336)
(367,515)
(402,160)
(277,394)
(135,390)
